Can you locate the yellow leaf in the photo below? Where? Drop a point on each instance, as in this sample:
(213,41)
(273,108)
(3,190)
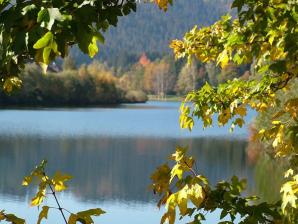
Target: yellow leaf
(27,180)
(43,214)
(2,216)
(92,47)
(161,178)
(223,59)
(224,117)
(241,111)
(10,83)
(276,122)
(182,202)
(239,122)
(261,107)
(72,219)
(162,4)
(169,216)
(92,212)
(58,181)
(86,215)
(37,200)
(196,194)
(13,219)
(289,173)
(171,204)
(279,136)
(179,154)
(177,171)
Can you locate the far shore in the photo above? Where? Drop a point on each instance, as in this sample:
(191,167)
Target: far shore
(165,98)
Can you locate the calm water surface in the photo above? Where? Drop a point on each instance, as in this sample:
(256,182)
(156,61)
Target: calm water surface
(111,153)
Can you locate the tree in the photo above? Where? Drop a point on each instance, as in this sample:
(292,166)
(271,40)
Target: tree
(187,79)
(229,72)
(212,71)
(133,78)
(158,78)
(191,77)
(264,34)
(43,30)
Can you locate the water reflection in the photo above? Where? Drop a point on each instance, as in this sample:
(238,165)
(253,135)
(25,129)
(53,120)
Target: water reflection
(113,168)
(111,152)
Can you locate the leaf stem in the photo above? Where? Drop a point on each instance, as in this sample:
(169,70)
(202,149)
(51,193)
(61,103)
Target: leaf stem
(56,199)
(59,207)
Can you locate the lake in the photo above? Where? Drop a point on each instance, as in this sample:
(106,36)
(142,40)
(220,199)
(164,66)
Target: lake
(111,153)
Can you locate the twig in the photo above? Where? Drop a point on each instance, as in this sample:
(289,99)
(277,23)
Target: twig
(56,199)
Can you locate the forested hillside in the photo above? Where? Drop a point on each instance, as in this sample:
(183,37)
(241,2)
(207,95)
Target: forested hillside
(148,30)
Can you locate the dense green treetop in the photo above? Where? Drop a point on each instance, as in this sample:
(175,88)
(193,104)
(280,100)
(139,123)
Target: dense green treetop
(43,30)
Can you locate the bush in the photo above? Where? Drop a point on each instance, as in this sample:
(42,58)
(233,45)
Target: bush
(94,84)
(136,96)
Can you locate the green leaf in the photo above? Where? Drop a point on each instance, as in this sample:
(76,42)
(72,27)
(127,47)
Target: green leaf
(28,8)
(44,41)
(46,55)
(48,16)
(278,66)
(54,14)
(223,214)
(43,15)
(238,4)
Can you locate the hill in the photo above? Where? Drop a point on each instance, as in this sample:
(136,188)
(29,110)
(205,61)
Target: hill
(150,30)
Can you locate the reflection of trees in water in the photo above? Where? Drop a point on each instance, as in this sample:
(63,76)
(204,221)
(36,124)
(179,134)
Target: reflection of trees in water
(109,168)
(269,178)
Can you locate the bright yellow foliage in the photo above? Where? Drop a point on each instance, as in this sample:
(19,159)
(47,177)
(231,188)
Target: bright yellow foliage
(264,34)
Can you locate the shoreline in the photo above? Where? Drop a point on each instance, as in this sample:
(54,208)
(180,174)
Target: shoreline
(168,98)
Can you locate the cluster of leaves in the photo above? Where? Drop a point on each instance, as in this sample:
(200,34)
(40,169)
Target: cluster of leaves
(265,31)
(289,197)
(11,218)
(53,185)
(265,34)
(42,30)
(181,187)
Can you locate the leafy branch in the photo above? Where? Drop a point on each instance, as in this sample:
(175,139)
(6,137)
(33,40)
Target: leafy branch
(195,197)
(56,184)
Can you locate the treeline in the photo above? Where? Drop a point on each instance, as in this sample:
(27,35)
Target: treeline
(97,83)
(93,84)
(166,76)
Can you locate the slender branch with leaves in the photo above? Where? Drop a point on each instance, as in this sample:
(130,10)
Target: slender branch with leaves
(54,185)
(182,187)
(264,34)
